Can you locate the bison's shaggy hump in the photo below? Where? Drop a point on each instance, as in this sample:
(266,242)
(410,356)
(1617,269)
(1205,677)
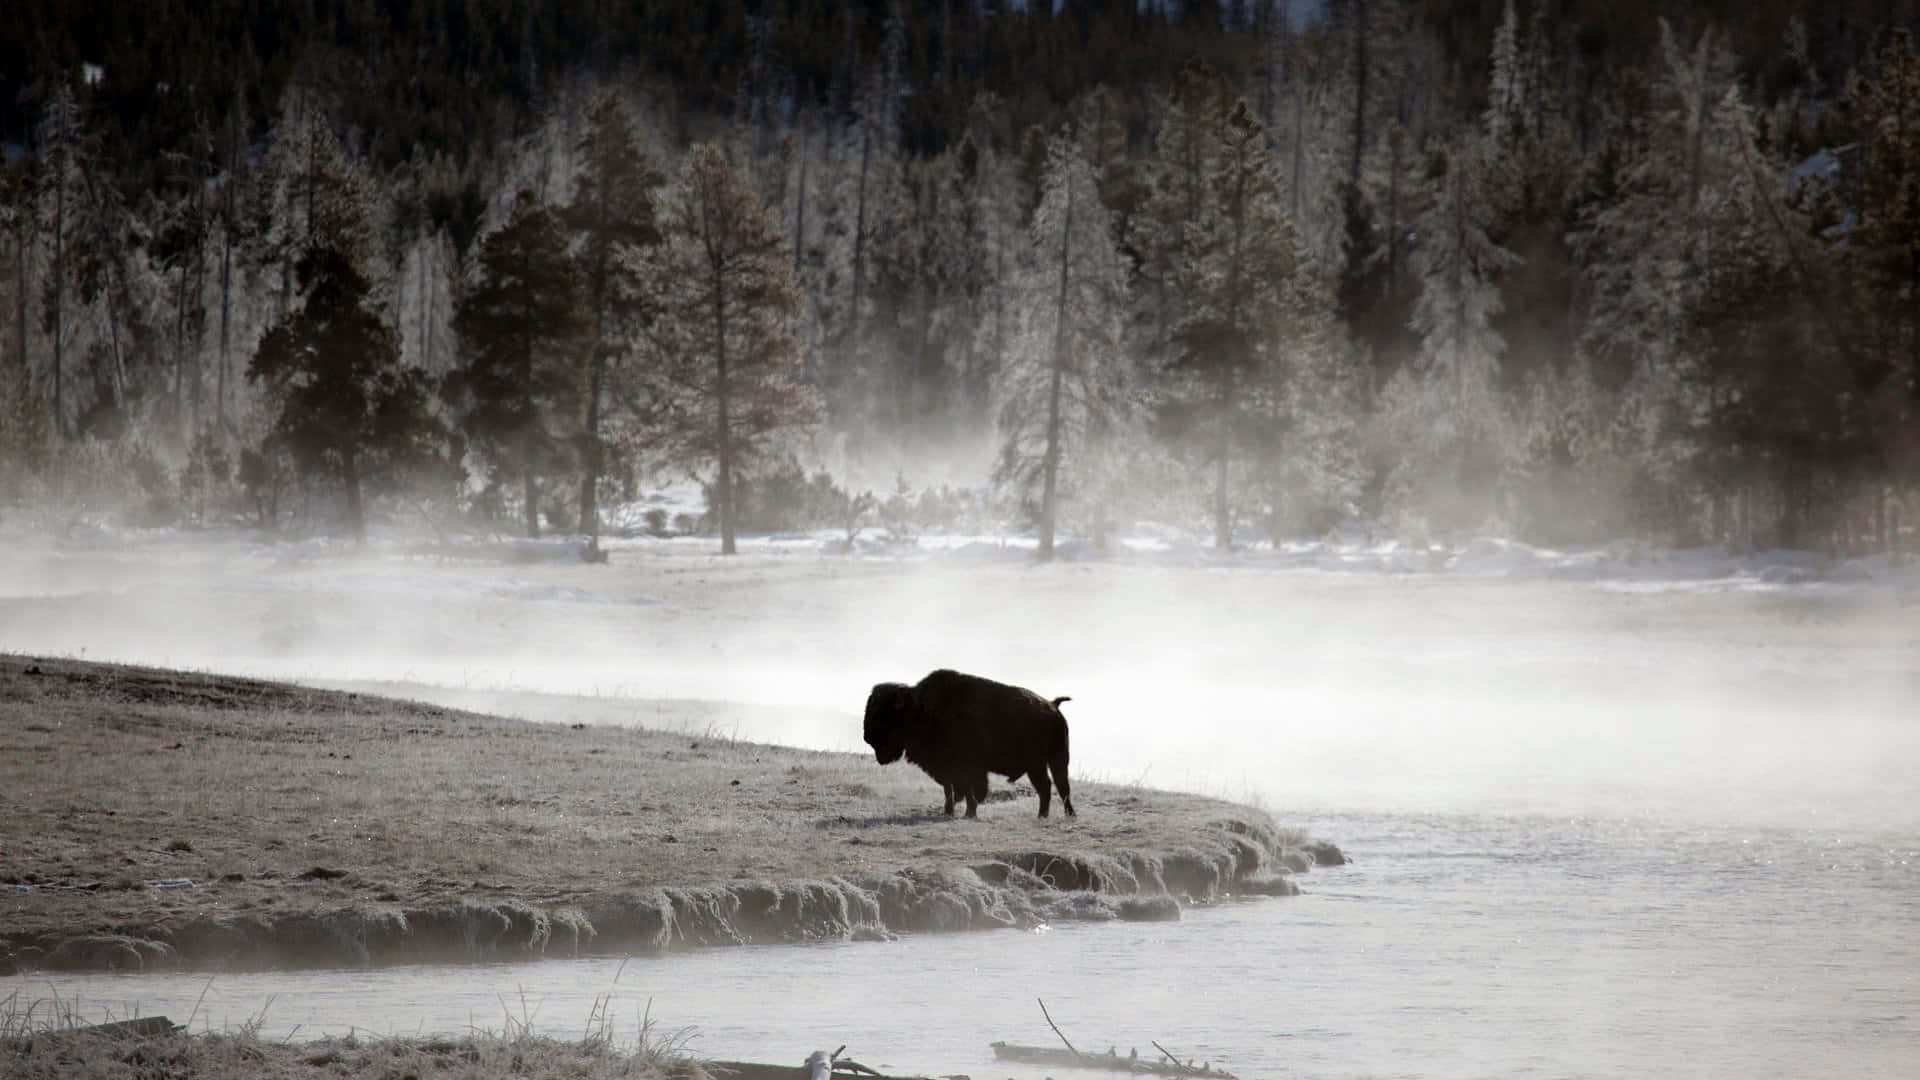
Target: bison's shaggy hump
(960,728)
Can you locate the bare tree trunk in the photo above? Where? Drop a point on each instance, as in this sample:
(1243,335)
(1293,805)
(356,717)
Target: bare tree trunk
(529,484)
(356,512)
(180,356)
(723,493)
(1299,137)
(800,199)
(860,233)
(232,181)
(199,321)
(1883,505)
(226,317)
(59,296)
(1360,66)
(23,262)
(1050,498)
(1396,135)
(1222,506)
(529,488)
(117,274)
(590,449)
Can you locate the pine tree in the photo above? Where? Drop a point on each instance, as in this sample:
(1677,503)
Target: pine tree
(1672,201)
(988,235)
(729,365)
(516,393)
(179,249)
(1882,256)
(876,136)
(17,222)
(315,191)
(65,151)
(612,215)
(344,409)
(1232,270)
(1460,445)
(907,287)
(1067,387)
(1174,197)
(1506,92)
(227,218)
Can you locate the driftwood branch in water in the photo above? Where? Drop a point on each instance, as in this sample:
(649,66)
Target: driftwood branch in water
(1055,1027)
(1040,1055)
(1111,1061)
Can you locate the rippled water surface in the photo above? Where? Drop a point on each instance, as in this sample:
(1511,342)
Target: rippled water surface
(1598,831)
(1454,946)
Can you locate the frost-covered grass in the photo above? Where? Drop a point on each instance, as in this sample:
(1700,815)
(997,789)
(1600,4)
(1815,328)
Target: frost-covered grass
(46,1039)
(138,801)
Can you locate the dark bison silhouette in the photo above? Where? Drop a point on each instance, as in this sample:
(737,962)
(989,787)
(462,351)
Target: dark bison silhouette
(959,728)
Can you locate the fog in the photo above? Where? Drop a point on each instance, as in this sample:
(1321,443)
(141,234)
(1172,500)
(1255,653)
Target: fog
(1304,691)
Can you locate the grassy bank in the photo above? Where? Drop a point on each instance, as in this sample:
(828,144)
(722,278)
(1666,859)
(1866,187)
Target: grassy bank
(160,818)
(42,1042)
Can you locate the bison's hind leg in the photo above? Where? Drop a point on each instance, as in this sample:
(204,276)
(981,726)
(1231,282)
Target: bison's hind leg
(1058,766)
(1043,788)
(948,790)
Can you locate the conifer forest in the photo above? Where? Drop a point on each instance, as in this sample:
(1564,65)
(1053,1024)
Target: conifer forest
(1569,271)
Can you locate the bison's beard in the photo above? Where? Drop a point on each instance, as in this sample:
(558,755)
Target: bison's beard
(887,755)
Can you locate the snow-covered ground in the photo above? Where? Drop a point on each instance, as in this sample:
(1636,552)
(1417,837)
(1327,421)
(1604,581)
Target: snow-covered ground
(1353,549)
(1627,563)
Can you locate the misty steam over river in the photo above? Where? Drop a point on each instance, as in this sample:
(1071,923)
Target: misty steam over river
(1600,828)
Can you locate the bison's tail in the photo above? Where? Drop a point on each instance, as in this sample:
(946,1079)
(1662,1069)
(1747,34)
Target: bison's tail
(1058,700)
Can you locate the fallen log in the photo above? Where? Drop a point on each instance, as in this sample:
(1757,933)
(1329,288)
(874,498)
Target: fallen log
(139,1027)
(841,1069)
(1110,1061)
(142,1027)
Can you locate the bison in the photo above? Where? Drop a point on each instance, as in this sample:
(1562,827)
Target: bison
(959,728)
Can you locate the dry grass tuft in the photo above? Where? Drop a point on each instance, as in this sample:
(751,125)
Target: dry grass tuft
(42,1040)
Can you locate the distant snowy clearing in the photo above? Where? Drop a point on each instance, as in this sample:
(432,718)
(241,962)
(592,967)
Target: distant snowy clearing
(1624,564)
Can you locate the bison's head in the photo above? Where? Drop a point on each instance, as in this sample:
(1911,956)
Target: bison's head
(888,710)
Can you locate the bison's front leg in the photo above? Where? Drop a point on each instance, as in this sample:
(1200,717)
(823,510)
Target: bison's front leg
(976,791)
(948,790)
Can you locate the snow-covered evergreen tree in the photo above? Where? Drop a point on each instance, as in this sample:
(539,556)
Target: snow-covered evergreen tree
(62,195)
(729,369)
(1882,258)
(1450,412)
(1232,270)
(613,221)
(1065,396)
(317,192)
(345,410)
(1683,210)
(516,393)
(1506,84)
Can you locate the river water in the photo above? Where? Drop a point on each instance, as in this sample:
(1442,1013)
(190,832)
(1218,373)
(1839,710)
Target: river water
(1455,946)
(1598,831)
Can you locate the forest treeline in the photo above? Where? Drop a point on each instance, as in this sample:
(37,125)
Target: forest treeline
(1561,269)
